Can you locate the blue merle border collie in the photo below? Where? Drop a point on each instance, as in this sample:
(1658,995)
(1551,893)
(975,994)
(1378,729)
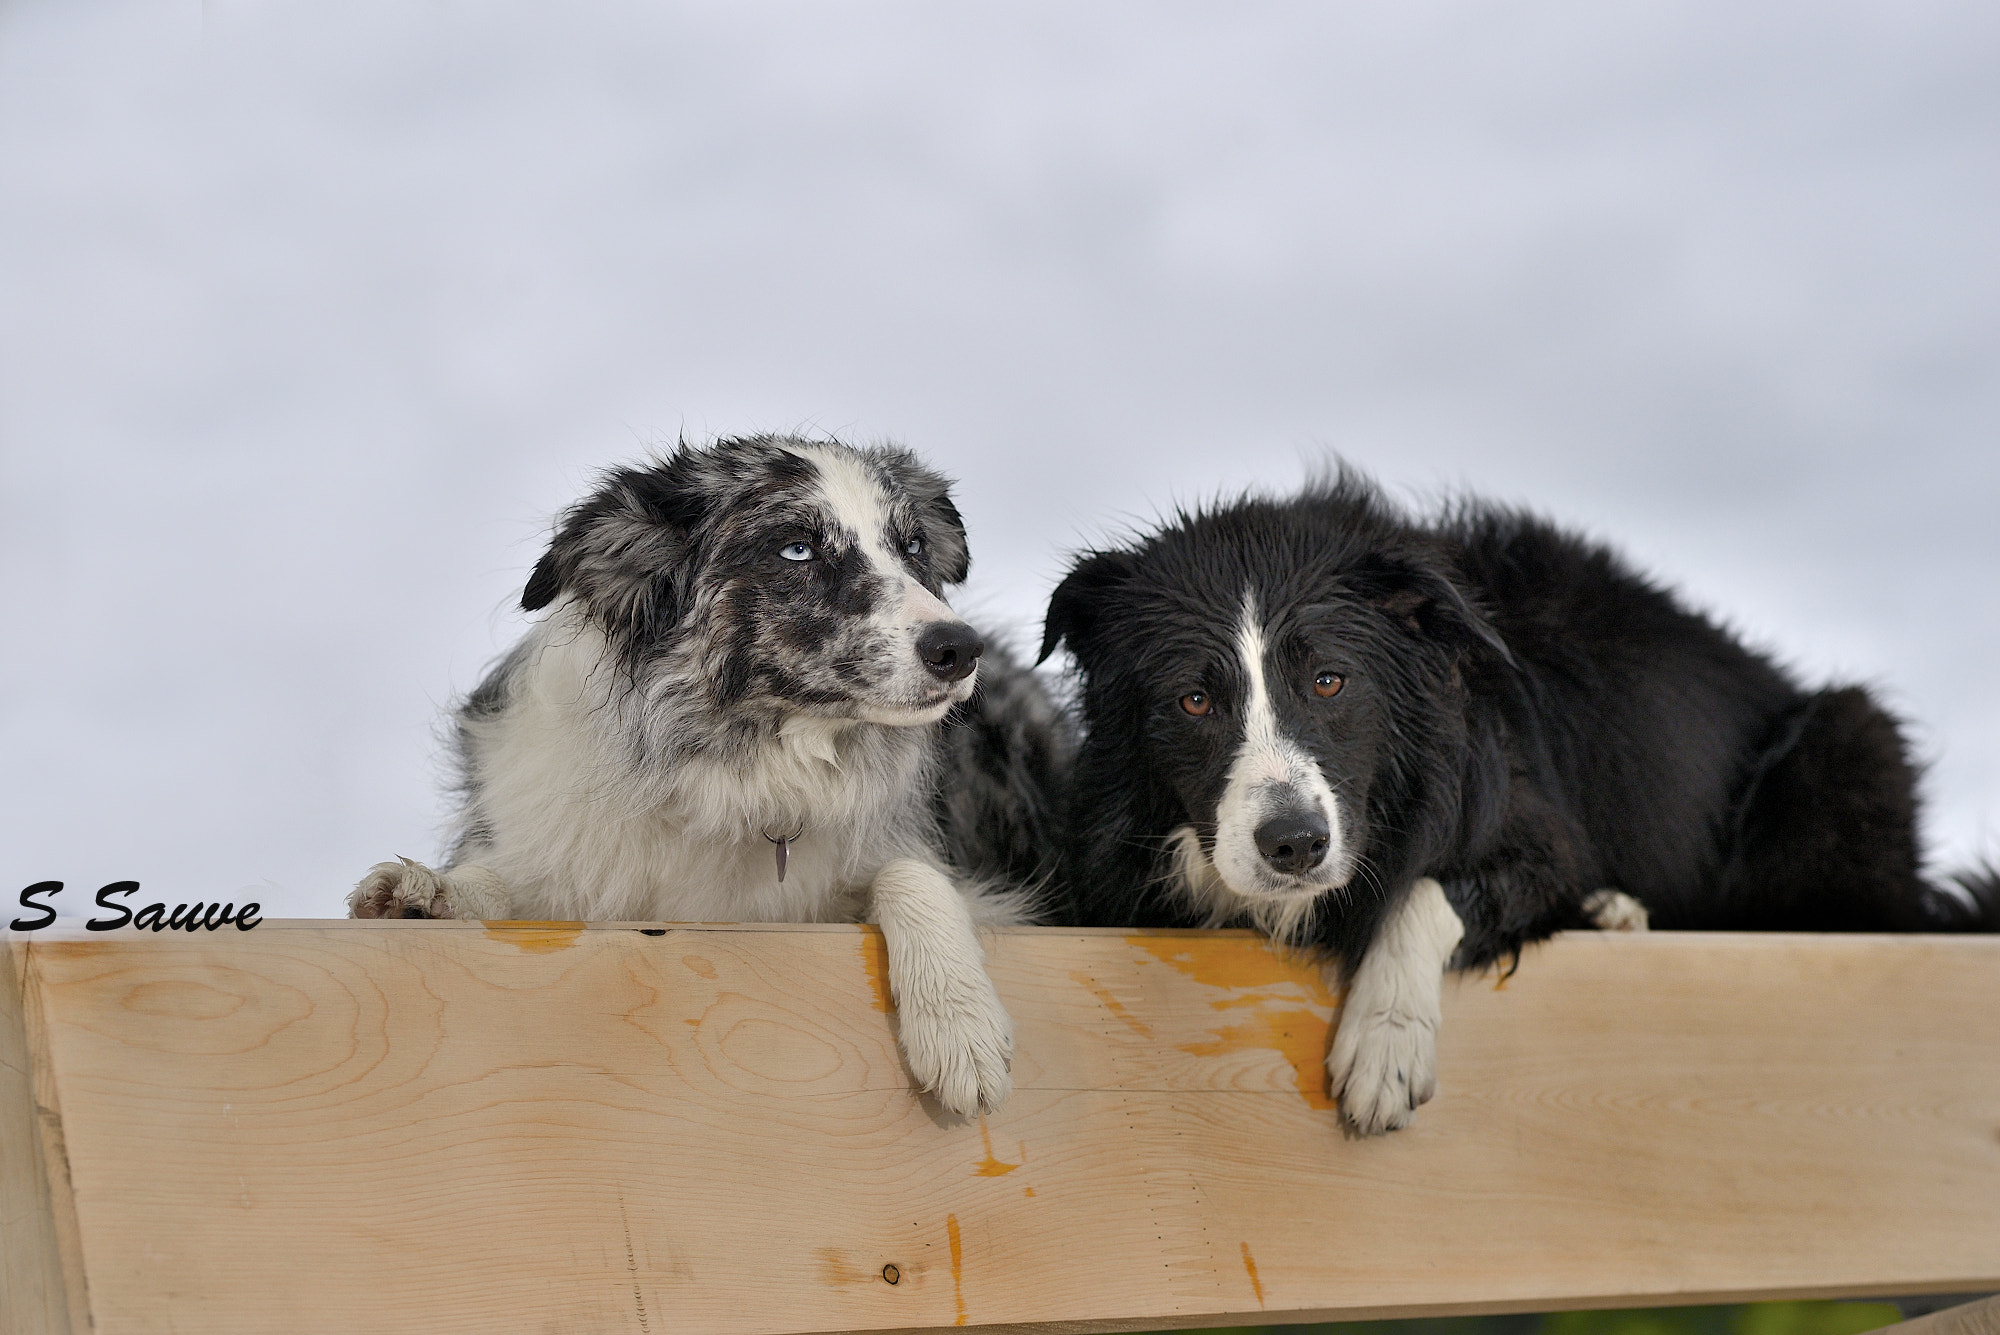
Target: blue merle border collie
(747,700)
(1419,745)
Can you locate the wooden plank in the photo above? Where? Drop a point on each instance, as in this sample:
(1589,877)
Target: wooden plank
(32,1293)
(1974,1318)
(466,1127)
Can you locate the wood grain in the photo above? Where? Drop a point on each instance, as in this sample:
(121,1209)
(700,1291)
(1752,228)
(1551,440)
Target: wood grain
(33,1299)
(464,1127)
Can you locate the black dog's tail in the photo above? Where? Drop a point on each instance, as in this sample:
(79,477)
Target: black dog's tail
(1979,884)
(1826,838)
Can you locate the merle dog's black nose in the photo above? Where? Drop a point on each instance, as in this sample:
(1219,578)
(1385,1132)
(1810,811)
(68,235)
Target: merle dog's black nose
(950,649)
(1293,841)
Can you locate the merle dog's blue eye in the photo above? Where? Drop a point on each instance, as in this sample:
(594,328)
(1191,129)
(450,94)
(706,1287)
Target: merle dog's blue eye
(796,551)
(915,546)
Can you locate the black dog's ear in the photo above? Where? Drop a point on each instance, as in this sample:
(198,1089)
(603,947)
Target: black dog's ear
(1421,594)
(1074,606)
(621,551)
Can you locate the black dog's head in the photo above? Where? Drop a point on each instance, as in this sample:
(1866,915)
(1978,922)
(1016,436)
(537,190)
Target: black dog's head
(773,574)
(1270,696)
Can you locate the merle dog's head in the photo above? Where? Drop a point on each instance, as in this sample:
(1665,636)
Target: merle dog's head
(1272,701)
(774,575)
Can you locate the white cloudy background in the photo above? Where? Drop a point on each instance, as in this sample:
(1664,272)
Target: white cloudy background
(312,314)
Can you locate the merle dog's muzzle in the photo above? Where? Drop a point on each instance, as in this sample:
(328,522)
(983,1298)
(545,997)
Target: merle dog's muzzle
(950,650)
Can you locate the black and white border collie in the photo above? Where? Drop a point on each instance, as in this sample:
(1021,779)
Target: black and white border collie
(746,700)
(1425,744)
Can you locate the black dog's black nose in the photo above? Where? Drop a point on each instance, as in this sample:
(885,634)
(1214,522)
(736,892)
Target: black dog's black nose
(1293,841)
(950,649)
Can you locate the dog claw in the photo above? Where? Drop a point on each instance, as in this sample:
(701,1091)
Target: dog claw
(964,1060)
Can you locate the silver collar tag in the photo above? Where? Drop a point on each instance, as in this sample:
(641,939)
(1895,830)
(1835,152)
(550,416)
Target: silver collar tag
(782,847)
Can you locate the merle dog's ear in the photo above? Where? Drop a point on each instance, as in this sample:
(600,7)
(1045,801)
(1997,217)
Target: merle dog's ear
(1422,595)
(544,584)
(1075,605)
(930,494)
(951,558)
(622,550)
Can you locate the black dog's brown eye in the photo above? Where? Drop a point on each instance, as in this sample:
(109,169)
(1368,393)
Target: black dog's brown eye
(1328,683)
(1196,703)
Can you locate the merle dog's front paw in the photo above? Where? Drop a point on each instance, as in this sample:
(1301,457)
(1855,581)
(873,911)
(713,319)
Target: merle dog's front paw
(406,889)
(959,1044)
(399,889)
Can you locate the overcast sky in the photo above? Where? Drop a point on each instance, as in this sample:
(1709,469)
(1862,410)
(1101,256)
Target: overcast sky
(311,315)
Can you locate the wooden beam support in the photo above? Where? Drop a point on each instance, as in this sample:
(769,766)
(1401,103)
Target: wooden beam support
(33,1300)
(1974,1318)
(439,1127)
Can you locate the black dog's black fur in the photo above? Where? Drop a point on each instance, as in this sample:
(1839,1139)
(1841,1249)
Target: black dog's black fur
(1524,719)
(1007,752)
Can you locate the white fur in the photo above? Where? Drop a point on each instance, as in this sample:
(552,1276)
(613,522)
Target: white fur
(580,816)
(1615,911)
(1384,1058)
(463,892)
(577,834)
(1270,772)
(956,1035)
(1200,884)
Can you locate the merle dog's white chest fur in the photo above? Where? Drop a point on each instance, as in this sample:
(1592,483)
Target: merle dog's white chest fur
(574,834)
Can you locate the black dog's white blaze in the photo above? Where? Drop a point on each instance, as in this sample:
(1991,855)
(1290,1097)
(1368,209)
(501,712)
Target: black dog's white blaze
(1272,775)
(1383,1061)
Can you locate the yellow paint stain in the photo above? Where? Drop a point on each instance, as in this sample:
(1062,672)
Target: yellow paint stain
(990,1166)
(1027,1191)
(957,1267)
(699,965)
(1111,1003)
(1298,1035)
(875,959)
(1250,1268)
(536,938)
(1236,960)
(1290,1008)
